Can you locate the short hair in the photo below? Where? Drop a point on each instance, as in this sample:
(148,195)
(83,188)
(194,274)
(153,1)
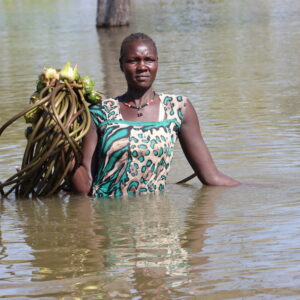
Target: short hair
(135,36)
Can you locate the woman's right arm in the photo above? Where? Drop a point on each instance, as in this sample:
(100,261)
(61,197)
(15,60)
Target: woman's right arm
(82,177)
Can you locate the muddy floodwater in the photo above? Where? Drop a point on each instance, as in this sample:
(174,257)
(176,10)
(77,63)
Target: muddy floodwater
(238,62)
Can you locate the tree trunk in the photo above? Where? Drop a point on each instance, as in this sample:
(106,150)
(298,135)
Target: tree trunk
(113,13)
(114,83)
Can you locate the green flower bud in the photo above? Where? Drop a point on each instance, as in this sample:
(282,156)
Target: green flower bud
(94,97)
(88,84)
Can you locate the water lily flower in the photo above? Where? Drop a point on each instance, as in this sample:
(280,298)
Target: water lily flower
(51,73)
(68,73)
(77,76)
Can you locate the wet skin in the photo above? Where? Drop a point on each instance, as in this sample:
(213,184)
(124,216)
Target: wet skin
(139,65)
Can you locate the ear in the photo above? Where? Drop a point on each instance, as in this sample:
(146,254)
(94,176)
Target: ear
(121,66)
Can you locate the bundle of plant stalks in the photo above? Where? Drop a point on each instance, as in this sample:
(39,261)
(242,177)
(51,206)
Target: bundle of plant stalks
(59,118)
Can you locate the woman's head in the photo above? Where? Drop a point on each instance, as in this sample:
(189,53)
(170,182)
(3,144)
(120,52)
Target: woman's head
(138,36)
(139,61)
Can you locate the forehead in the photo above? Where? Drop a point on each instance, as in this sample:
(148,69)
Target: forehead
(139,47)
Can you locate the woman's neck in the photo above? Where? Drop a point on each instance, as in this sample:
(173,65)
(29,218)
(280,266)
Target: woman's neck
(139,97)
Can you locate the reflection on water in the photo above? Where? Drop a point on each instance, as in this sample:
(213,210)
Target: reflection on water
(119,248)
(156,247)
(238,63)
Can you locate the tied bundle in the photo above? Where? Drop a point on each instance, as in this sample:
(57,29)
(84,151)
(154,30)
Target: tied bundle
(59,118)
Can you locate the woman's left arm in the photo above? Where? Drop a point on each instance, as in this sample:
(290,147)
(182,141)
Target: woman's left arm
(197,153)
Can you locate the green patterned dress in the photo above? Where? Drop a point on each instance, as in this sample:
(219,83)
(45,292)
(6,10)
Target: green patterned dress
(133,158)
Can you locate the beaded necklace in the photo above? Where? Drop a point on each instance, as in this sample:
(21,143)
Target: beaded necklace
(139,114)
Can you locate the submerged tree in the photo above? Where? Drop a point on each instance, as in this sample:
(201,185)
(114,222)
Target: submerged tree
(113,13)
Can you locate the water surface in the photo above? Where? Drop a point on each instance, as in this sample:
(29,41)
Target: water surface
(238,63)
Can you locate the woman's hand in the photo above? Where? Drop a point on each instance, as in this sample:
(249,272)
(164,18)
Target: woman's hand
(82,178)
(197,153)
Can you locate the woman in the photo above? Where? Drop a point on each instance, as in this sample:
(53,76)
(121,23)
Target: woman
(129,147)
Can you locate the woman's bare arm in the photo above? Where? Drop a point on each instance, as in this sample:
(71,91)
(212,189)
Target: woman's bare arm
(197,153)
(82,177)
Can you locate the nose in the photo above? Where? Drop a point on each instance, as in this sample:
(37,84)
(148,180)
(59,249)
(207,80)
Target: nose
(141,65)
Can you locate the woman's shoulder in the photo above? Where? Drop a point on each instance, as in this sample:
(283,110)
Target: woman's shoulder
(173,101)
(104,110)
(174,105)
(172,98)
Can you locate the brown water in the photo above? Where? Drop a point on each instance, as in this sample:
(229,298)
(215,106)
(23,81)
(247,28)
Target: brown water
(238,62)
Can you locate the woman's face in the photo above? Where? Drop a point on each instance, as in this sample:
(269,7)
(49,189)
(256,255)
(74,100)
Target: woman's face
(139,64)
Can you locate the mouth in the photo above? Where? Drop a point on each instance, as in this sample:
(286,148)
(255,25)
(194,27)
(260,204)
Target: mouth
(142,77)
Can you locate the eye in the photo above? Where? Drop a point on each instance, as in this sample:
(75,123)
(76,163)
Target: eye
(130,60)
(150,59)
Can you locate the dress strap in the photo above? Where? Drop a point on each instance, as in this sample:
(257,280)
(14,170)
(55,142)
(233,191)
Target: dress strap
(162,113)
(174,106)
